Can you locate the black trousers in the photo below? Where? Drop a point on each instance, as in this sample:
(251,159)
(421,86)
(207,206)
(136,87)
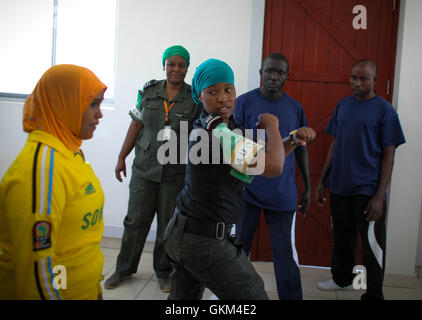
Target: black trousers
(202,261)
(349,221)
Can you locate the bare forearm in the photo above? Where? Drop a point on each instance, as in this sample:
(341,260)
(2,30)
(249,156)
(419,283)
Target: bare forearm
(288,147)
(274,153)
(130,139)
(302,160)
(387,164)
(375,205)
(327,166)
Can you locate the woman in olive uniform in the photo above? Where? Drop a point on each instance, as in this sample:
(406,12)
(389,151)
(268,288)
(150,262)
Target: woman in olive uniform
(165,106)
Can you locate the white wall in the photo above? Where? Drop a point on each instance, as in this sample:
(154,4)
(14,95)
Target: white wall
(256,43)
(11,134)
(406,185)
(419,252)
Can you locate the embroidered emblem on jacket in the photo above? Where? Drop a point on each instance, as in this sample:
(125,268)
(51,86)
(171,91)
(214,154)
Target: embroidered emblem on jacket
(41,234)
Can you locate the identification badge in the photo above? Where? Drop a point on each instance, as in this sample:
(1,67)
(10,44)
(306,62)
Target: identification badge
(167,133)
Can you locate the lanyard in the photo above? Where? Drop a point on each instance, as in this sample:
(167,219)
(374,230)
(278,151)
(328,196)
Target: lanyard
(167,109)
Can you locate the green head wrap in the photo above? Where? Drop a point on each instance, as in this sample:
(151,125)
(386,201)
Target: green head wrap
(176,51)
(208,73)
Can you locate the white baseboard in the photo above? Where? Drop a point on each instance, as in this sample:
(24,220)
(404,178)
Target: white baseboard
(113,231)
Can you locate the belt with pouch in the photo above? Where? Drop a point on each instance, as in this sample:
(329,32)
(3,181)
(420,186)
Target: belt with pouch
(212,229)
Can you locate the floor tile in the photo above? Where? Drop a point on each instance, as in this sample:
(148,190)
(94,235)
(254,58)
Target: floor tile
(146,255)
(127,290)
(391,293)
(145,269)
(149,246)
(400,281)
(349,295)
(261,266)
(144,284)
(110,252)
(317,298)
(310,289)
(272,295)
(109,264)
(318,272)
(269,281)
(152,292)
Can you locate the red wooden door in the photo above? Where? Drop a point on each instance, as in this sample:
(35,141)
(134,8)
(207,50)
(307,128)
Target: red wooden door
(321,44)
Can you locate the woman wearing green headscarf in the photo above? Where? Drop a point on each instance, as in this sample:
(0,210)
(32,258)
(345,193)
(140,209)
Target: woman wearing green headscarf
(198,236)
(164,107)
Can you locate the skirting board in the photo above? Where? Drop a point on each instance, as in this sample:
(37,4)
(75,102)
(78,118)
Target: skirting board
(112,231)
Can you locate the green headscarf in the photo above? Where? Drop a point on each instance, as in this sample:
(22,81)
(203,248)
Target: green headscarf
(176,51)
(208,73)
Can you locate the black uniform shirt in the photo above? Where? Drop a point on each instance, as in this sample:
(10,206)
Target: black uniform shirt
(210,192)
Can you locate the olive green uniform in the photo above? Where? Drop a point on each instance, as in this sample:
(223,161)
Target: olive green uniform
(153,186)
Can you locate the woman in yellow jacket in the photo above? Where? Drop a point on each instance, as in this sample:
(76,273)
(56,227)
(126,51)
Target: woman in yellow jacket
(51,202)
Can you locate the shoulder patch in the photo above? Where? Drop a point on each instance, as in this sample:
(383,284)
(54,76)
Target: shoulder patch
(149,84)
(41,235)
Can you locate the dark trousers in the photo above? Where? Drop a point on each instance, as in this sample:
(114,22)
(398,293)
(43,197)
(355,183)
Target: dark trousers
(349,221)
(145,199)
(202,261)
(282,233)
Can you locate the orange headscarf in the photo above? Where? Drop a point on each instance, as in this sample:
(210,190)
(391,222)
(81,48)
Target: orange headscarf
(58,102)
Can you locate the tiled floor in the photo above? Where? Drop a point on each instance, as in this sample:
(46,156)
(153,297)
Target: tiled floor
(144,285)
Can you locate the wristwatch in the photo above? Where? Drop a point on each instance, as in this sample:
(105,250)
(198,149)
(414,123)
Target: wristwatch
(292,136)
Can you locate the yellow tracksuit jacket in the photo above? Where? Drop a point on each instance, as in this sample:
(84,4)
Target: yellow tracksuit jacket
(51,224)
